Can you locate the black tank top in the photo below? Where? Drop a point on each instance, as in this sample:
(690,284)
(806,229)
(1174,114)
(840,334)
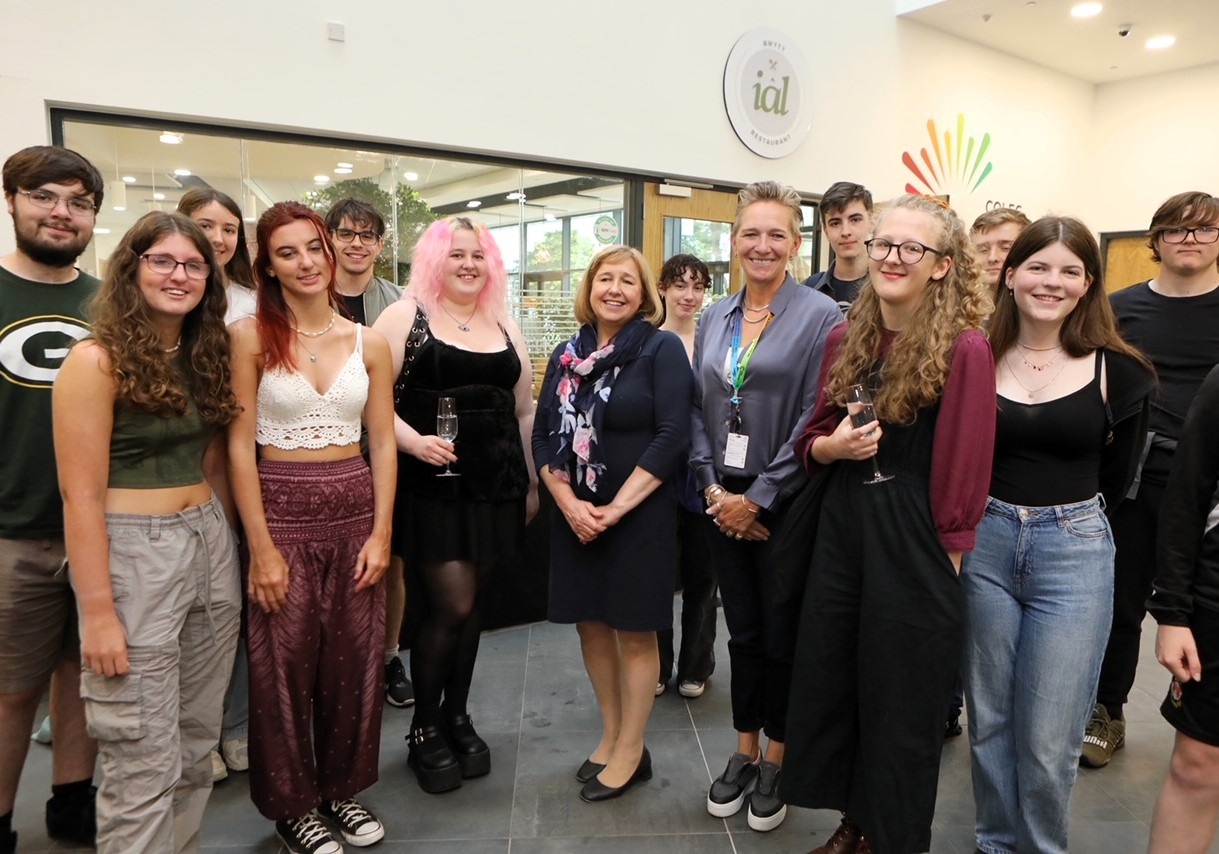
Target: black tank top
(1049,453)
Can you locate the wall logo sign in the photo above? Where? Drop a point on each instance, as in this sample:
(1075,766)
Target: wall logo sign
(766,93)
(605,229)
(957,165)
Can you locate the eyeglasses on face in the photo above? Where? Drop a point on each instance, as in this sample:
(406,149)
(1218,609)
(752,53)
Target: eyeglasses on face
(165,266)
(48,201)
(1202,234)
(346,235)
(910,252)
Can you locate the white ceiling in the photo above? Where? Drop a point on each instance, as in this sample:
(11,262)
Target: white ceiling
(1090,49)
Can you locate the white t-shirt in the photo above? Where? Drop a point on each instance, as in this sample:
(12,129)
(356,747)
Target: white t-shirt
(242,302)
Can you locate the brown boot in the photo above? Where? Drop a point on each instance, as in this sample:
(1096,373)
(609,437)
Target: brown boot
(847,839)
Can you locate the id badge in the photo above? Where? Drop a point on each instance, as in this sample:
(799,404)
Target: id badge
(734,451)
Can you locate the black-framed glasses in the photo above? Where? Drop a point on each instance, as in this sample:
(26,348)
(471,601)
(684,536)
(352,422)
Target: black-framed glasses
(48,201)
(346,235)
(1202,234)
(910,252)
(166,264)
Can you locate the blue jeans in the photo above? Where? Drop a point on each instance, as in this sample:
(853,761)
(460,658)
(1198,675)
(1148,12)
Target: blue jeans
(1039,601)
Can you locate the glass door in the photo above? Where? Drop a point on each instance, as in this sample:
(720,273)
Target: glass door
(697,224)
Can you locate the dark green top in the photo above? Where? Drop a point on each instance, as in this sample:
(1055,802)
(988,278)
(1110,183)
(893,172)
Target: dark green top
(149,451)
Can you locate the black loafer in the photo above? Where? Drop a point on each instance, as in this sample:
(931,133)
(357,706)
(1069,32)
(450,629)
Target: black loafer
(432,760)
(588,770)
(595,791)
(473,754)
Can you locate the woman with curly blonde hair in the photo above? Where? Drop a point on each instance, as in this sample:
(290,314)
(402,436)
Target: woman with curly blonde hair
(881,627)
(139,412)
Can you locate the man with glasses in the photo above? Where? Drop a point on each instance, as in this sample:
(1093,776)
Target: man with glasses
(358,232)
(1174,320)
(846,219)
(52,195)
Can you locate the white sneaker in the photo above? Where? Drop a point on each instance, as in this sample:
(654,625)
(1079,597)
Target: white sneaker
(691,688)
(236,752)
(219,769)
(660,688)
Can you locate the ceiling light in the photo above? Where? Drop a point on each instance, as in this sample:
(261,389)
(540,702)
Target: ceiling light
(119,208)
(182,173)
(515,196)
(1086,10)
(160,197)
(549,217)
(170,138)
(321,179)
(101,231)
(128,179)
(343,165)
(342,170)
(473,203)
(410,176)
(1160,42)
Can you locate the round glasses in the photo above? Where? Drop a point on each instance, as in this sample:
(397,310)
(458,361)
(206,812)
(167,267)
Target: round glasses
(910,252)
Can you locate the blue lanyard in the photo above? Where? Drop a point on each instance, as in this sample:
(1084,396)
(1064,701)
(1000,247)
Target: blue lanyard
(740,361)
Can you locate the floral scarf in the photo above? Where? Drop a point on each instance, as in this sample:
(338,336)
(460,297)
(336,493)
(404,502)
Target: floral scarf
(586,378)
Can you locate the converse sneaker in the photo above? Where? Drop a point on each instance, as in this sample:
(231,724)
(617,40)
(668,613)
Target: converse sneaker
(692,688)
(1102,738)
(766,809)
(358,826)
(729,790)
(307,835)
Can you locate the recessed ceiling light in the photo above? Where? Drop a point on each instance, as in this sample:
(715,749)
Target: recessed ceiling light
(342,170)
(515,196)
(160,197)
(182,173)
(170,138)
(1160,42)
(1086,10)
(101,231)
(128,179)
(343,165)
(473,203)
(410,176)
(321,179)
(119,208)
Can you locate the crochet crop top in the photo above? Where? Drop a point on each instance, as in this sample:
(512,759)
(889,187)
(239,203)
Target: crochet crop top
(293,414)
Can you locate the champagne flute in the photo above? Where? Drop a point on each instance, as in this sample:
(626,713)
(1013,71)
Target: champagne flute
(446,427)
(861,411)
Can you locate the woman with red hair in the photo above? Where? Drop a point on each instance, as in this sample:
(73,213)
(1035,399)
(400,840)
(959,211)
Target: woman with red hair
(317,519)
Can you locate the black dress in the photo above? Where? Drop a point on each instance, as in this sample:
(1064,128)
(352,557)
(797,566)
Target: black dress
(479,516)
(624,578)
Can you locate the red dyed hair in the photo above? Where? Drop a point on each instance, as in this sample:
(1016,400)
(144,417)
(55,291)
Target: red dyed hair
(427,267)
(274,318)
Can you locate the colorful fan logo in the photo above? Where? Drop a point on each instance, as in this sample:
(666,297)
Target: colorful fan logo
(951,166)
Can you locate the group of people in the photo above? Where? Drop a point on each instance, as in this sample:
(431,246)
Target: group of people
(955,489)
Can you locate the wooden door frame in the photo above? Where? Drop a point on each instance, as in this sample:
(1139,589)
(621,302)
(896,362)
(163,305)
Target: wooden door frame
(709,205)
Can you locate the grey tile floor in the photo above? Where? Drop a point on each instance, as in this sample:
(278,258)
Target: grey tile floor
(533,704)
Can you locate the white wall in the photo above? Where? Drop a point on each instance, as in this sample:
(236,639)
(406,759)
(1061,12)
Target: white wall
(634,85)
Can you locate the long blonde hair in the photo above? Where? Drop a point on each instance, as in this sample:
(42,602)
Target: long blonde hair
(916,369)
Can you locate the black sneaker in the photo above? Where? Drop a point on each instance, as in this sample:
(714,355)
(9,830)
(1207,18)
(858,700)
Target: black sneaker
(358,826)
(766,810)
(728,792)
(307,835)
(398,689)
(73,818)
(952,726)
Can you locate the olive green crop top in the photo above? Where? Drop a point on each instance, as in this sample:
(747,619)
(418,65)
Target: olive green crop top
(148,451)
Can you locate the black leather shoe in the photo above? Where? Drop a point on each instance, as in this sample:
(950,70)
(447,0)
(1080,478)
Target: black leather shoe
(589,770)
(473,754)
(432,760)
(594,790)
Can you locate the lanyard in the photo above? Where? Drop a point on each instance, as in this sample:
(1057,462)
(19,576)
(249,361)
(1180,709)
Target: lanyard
(740,361)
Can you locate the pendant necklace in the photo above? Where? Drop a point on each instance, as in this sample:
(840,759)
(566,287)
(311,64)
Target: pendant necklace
(1043,366)
(1032,391)
(464,327)
(329,326)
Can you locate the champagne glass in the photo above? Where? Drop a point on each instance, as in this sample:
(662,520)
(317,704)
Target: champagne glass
(861,411)
(446,427)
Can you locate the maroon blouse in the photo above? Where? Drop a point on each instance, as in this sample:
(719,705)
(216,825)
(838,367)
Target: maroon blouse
(964,443)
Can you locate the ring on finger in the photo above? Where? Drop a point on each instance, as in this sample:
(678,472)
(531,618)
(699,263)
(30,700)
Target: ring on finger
(738,536)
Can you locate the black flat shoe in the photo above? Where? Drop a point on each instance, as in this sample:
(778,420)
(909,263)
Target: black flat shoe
(432,760)
(473,754)
(594,790)
(589,770)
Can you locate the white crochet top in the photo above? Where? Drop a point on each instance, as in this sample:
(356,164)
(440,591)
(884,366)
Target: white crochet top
(292,414)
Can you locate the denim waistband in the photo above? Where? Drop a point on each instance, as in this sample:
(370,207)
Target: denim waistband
(1055,513)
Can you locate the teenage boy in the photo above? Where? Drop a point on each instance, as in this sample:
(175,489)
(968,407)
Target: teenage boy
(358,232)
(1174,320)
(52,195)
(846,220)
(993,234)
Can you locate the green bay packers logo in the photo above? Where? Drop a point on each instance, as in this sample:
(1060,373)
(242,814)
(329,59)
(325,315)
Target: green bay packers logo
(31,350)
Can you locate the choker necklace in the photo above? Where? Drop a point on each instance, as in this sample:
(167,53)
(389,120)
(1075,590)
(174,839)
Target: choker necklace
(1033,391)
(174,348)
(1037,349)
(329,326)
(464,327)
(748,307)
(1041,367)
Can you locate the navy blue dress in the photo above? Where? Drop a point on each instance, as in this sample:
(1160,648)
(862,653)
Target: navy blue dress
(624,578)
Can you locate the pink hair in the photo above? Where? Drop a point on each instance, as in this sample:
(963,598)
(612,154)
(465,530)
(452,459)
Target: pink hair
(427,267)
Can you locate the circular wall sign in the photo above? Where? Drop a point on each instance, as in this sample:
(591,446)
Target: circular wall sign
(765,93)
(605,229)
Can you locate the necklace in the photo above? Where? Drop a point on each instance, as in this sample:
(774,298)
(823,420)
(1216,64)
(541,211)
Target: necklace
(748,307)
(1044,365)
(174,348)
(1032,391)
(1037,349)
(329,326)
(759,320)
(464,327)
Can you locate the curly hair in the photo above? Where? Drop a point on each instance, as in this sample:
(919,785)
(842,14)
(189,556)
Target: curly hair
(124,329)
(916,368)
(427,267)
(1091,325)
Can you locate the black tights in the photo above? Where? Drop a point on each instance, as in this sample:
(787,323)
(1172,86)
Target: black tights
(444,642)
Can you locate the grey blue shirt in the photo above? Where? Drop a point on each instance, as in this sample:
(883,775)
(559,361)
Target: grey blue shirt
(777,398)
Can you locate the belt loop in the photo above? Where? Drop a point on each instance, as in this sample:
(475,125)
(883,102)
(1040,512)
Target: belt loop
(154,527)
